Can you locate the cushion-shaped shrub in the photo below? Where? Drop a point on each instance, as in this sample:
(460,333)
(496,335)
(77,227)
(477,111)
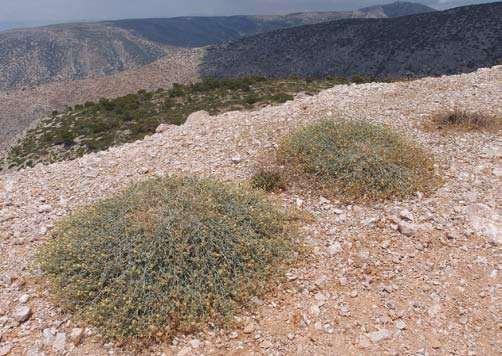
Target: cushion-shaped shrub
(268,179)
(166,255)
(356,160)
(462,120)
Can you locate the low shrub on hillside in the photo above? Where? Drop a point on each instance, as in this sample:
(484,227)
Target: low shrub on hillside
(460,120)
(361,79)
(281,97)
(356,160)
(166,255)
(268,180)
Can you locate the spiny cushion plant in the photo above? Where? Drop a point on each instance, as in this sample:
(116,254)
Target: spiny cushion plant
(461,120)
(356,160)
(166,255)
(268,180)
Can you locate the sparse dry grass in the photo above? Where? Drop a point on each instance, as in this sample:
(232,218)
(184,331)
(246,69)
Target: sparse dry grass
(463,121)
(167,256)
(356,161)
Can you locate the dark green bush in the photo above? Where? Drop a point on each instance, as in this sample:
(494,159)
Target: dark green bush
(268,180)
(65,137)
(252,99)
(357,160)
(166,255)
(281,97)
(176,91)
(361,79)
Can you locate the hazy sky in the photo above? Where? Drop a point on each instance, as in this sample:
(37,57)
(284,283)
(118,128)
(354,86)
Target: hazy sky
(67,10)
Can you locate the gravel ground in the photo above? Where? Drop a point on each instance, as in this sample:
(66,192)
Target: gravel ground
(414,277)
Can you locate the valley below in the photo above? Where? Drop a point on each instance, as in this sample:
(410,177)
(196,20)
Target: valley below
(22,109)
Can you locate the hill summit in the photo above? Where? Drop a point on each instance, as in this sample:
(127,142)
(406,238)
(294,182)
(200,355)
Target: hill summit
(398,266)
(396,9)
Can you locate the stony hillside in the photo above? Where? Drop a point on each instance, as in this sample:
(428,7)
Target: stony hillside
(452,41)
(417,276)
(34,56)
(29,57)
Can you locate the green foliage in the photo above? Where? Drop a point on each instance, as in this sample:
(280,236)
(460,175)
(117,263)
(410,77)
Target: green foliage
(176,91)
(251,99)
(166,255)
(459,120)
(268,180)
(361,79)
(357,160)
(243,84)
(281,97)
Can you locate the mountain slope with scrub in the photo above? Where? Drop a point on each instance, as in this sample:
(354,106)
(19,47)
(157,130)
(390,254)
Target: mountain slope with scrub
(446,42)
(34,56)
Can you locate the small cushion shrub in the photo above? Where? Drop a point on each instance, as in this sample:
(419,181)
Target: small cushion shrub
(460,120)
(166,255)
(268,180)
(356,160)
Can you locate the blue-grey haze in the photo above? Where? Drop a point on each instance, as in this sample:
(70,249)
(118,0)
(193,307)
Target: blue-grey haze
(19,13)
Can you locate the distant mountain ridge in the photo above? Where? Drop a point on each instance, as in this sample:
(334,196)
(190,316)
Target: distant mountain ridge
(396,9)
(34,56)
(203,31)
(456,40)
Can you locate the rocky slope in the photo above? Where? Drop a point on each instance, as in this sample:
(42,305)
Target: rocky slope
(457,40)
(69,52)
(97,126)
(34,56)
(30,57)
(406,277)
